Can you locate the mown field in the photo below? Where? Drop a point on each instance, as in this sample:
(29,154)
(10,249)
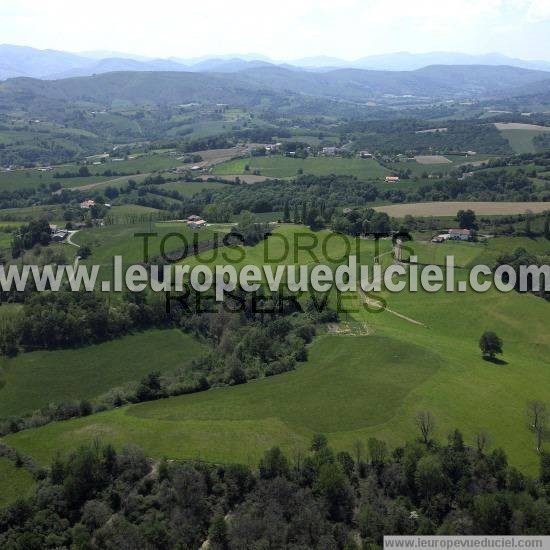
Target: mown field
(284,167)
(14,482)
(370,382)
(451,208)
(32,380)
(443,165)
(123,239)
(189,189)
(53,213)
(520,136)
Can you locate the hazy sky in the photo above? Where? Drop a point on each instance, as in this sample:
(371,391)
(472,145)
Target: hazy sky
(281,29)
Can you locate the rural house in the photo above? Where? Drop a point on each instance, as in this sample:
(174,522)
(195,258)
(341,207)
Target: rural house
(87,204)
(460,234)
(392,179)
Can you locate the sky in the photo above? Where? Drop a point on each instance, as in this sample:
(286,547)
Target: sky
(282,29)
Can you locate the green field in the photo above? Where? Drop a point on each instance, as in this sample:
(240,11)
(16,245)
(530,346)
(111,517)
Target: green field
(35,379)
(417,169)
(358,385)
(5,240)
(32,178)
(53,213)
(15,482)
(521,141)
(189,189)
(284,167)
(123,240)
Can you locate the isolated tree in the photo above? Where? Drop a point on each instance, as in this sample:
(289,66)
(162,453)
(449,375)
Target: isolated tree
(84,252)
(466,219)
(426,425)
(547,227)
(537,415)
(490,344)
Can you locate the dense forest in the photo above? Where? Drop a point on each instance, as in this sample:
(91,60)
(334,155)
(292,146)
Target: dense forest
(97,497)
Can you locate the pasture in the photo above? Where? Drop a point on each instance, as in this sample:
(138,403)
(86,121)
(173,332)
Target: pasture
(191,188)
(286,410)
(520,136)
(34,379)
(15,482)
(123,239)
(33,178)
(432,159)
(53,213)
(358,385)
(436,164)
(451,208)
(284,167)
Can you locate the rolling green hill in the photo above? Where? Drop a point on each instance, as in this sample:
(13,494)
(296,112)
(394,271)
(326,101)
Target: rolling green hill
(33,380)
(282,167)
(368,378)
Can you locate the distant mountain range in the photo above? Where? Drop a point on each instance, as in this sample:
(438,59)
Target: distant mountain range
(252,85)
(22,61)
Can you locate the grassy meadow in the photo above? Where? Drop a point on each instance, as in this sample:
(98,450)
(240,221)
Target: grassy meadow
(142,164)
(439,209)
(443,166)
(14,482)
(284,167)
(521,140)
(189,189)
(370,381)
(123,240)
(32,380)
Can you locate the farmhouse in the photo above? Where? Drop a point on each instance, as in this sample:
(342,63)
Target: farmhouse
(195,222)
(460,234)
(59,236)
(365,154)
(87,204)
(273,147)
(392,179)
(330,151)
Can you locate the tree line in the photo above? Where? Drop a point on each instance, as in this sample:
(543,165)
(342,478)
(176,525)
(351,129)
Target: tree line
(97,497)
